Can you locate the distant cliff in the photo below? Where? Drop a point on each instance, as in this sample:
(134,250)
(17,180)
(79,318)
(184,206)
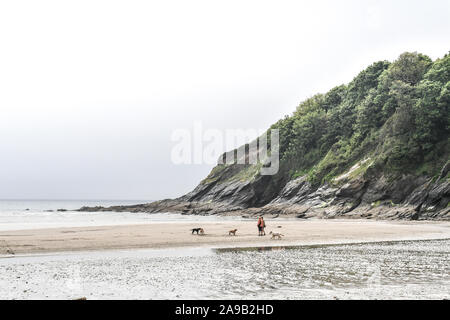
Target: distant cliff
(377,147)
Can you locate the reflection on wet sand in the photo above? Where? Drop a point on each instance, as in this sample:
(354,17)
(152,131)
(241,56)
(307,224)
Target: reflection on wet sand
(383,270)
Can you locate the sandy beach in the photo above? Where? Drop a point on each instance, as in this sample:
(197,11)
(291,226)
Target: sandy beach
(172,235)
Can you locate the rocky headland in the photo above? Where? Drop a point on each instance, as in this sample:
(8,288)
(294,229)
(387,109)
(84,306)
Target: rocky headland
(375,148)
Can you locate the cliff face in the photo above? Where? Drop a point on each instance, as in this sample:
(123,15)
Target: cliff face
(375,148)
(366,196)
(370,195)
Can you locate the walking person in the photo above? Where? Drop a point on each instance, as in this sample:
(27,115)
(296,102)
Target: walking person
(261,225)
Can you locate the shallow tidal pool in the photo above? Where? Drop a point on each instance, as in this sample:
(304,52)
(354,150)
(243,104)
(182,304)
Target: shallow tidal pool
(384,270)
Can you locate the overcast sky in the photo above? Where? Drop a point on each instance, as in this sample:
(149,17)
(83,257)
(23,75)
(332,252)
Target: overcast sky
(90,91)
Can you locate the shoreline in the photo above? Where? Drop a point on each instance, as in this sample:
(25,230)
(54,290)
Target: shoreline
(203,250)
(177,235)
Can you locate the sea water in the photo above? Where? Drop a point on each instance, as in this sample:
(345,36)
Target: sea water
(38,214)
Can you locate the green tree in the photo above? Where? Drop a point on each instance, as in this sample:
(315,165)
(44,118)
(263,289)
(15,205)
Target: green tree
(410,67)
(430,116)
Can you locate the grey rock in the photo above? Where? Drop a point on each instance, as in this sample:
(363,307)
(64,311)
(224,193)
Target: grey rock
(373,196)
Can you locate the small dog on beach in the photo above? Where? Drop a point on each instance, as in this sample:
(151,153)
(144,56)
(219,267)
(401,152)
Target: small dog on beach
(276,235)
(198,230)
(232,232)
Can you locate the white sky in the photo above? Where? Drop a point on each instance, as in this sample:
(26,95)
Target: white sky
(90,91)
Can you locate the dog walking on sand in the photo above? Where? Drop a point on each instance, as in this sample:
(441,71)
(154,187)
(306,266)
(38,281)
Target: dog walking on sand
(198,230)
(276,235)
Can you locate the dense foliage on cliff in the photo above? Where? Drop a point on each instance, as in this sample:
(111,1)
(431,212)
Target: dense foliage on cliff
(395,115)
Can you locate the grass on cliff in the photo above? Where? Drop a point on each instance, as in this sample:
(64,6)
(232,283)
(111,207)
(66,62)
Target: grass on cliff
(397,114)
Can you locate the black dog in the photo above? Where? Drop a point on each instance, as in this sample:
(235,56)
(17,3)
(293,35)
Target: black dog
(198,230)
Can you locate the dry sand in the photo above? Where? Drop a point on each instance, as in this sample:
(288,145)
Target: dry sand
(167,235)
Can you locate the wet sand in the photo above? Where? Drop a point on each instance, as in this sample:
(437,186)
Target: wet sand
(172,235)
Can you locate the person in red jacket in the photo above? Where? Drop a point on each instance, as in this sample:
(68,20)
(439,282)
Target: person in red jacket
(261,226)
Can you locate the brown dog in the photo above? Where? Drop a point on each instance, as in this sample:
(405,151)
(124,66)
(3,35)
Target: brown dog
(232,232)
(276,235)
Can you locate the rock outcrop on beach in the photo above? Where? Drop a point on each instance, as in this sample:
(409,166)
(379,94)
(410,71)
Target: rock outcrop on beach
(375,148)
